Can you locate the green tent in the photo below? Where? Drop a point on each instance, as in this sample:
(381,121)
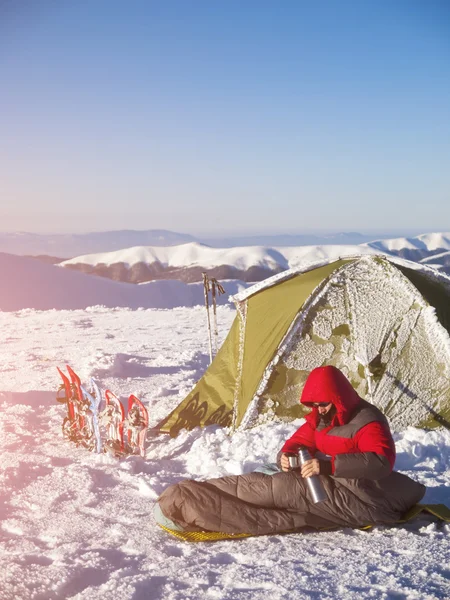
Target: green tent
(384,322)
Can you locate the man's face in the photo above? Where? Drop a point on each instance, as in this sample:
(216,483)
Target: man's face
(323,408)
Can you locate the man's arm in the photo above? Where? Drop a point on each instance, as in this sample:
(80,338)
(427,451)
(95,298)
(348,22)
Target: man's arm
(304,436)
(374,458)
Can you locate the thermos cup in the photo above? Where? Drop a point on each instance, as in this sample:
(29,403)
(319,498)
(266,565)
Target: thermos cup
(315,486)
(294,462)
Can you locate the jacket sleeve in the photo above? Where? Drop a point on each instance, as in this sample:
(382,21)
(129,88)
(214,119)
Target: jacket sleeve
(304,436)
(374,457)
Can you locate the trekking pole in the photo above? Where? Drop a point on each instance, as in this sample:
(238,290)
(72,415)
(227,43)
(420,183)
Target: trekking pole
(206,290)
(215,284)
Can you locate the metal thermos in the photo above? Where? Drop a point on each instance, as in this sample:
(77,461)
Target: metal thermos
(294,462)
(316,489)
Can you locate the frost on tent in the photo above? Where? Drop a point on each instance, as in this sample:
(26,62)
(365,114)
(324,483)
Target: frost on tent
(416,386)
(373,324)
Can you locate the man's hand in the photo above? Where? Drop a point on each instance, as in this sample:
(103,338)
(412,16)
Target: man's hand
(310,467)
(284,461)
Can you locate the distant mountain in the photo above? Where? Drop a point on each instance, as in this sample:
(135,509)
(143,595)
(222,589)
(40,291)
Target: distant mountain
(187,262)
(68,245)
(37,285)
(440,261)
(34,283)
(291,240)
(51,260)
(432,249)
(140,256)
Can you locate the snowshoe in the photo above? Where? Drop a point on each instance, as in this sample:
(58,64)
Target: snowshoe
(112,419)
(73,424)
(82,430)
(65,395)
(95,398)
(137,425)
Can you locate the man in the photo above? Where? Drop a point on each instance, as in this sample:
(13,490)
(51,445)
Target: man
(353,432)
(353,454)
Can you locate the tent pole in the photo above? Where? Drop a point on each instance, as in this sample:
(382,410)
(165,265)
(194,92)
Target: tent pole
(215,284)
(206,290)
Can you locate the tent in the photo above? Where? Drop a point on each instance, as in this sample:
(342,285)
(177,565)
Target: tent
(384,322)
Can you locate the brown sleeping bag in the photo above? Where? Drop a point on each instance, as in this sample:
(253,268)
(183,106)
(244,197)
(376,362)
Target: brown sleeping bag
(257,503)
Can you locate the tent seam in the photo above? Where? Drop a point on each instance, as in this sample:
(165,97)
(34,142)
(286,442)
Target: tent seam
(316,294)
(241,308)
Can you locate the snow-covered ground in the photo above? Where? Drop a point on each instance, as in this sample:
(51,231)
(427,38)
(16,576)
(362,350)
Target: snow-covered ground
(79,525)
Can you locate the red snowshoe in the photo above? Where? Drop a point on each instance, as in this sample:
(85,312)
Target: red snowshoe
(65,394)
(78,426)
(112,419)
(74,425)
(83,420)
(137,425)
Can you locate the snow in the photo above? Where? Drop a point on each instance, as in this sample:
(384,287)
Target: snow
(437,260)
(242,258)
(79,525)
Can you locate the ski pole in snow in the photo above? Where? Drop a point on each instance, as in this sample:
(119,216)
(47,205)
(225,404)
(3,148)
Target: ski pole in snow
(206,290)
(215,284)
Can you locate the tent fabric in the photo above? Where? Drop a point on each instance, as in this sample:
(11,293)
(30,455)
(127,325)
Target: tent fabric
(433,290)
(211,400)
(385,323)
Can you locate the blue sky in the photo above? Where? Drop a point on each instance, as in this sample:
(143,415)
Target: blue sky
(225,117)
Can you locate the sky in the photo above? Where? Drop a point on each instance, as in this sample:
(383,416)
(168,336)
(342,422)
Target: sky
(210,117)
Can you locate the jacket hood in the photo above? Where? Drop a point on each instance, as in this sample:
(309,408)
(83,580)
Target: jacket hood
(328,384)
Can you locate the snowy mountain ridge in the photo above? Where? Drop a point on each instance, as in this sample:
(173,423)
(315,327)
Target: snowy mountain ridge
(43,286)
(426,241)
(196,254)
(189,261)
(248,263)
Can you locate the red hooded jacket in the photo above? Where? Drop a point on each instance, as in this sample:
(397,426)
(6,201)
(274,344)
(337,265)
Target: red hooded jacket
(358,439)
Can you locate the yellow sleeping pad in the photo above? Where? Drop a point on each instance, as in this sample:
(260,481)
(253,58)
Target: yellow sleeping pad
(204,536)
(440,511)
